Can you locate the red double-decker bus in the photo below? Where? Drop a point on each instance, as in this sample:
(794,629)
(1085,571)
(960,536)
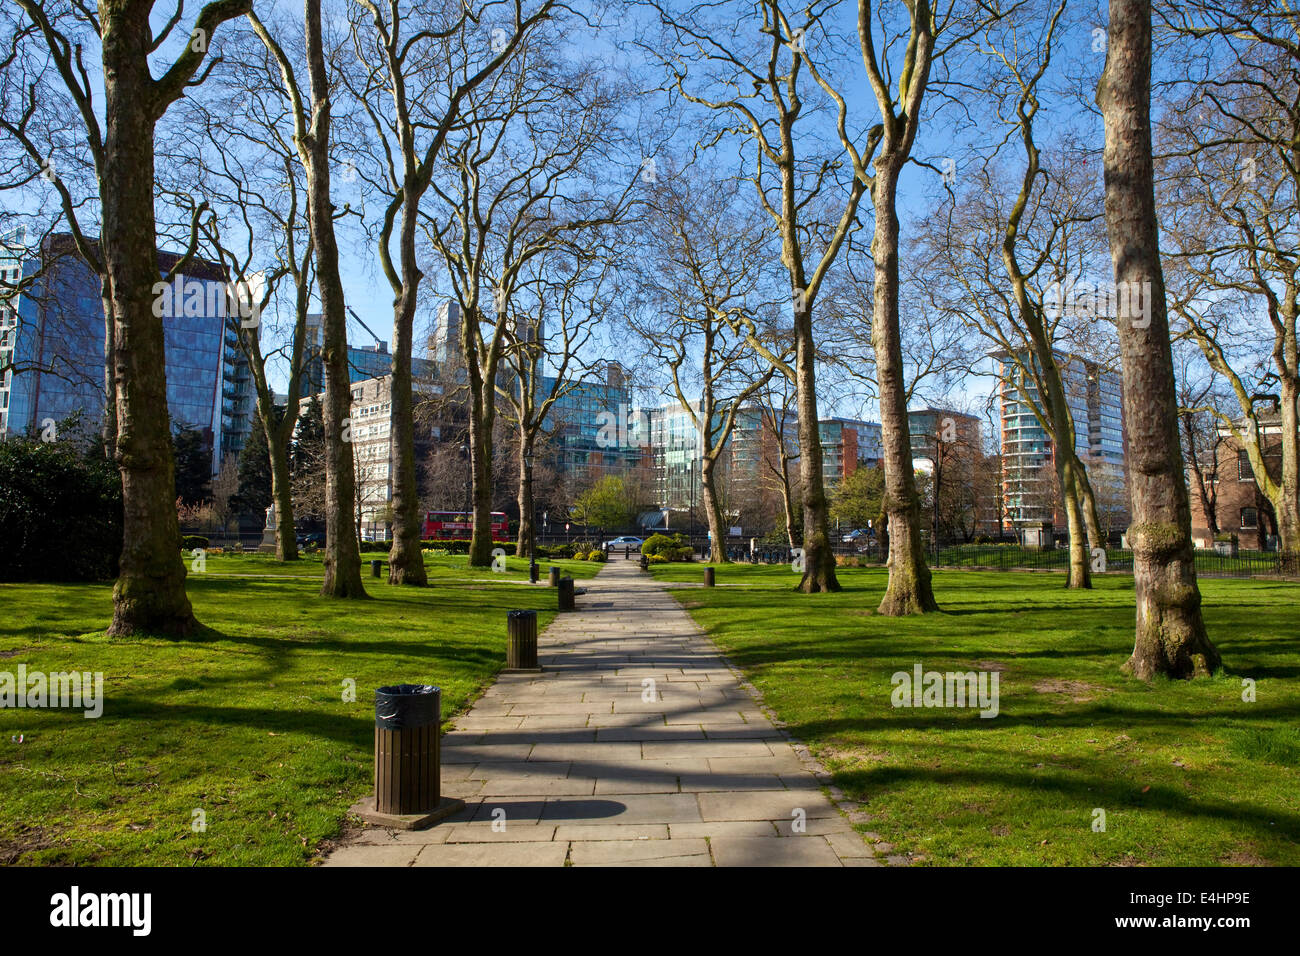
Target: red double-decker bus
(459,524)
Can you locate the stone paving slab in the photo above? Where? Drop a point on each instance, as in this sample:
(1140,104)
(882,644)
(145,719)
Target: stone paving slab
(637,745)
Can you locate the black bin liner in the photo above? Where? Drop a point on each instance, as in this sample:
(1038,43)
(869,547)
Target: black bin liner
(516,615)
(404,706)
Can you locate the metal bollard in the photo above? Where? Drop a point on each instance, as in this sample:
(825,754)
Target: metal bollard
(532,572)
(566,594)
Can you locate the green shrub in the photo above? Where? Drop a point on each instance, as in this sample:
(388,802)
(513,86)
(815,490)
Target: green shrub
(661,544)
(597,555)
(657,559)
(191,541)
(459,545)
(60,510)
(553,551)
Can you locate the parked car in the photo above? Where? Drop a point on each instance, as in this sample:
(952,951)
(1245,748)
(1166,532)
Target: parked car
(856,535)
(309,541)
(627,541)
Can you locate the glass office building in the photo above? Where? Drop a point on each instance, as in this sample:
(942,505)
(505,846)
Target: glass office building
(53,331)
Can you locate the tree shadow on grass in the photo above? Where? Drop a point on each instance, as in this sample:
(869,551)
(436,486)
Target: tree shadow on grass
(1085,791)
(1102,715)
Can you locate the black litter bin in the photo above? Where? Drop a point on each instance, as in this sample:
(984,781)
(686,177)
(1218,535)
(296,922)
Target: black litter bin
(553,578)
(708,577)
(407,777)
(566,594)
(375,567)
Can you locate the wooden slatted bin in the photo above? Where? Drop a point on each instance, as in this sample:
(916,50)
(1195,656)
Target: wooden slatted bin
(407,752)
(521,646)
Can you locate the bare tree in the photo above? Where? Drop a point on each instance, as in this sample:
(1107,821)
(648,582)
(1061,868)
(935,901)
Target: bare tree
(312,120)
(246,169)
(528,173)
(755,87)
(703,282)
(560,299)
(1230,184)
(1008,247)
(150,592)
(1170,634)
(427,76)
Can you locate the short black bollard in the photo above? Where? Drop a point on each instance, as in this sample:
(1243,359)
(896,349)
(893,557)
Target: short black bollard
(708,577)
(407,773)
(566,594)
(521,646)
(645,562)
(532,572)
(553,579)
(627,552)
(374,568)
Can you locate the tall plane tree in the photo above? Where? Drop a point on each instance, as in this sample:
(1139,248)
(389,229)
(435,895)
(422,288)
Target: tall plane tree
(1170,634)
(526,173)
(311,138)
(705,274)
(753,72)
(150,591)
(420,62)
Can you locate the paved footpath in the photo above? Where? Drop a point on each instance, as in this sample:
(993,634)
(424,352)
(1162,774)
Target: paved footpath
(636,746)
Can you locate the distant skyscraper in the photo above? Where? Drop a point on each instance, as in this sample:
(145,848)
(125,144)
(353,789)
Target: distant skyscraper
(1094,396)
(446,333)
(364,361)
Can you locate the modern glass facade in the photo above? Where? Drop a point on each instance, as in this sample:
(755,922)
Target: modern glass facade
(54,331)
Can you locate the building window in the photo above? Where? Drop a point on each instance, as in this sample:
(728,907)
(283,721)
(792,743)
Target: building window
(1249,518)
(1244,472)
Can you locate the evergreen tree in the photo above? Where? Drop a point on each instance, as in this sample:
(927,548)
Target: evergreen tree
(254,493)
(193,465)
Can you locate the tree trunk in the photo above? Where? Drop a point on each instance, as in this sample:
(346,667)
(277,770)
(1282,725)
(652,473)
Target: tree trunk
(1170,636)
(480,458)
(406,558)
(1080,554)
(342,555)
(819,560)
(108,427)
(286,542)
(909,590)
(713,511)
(524,543)
(150,593)
(1287,505)
(1088,507)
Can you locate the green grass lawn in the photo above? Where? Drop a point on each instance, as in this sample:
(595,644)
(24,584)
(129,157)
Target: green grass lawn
(449,568)
(1187,773)
(246,723)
